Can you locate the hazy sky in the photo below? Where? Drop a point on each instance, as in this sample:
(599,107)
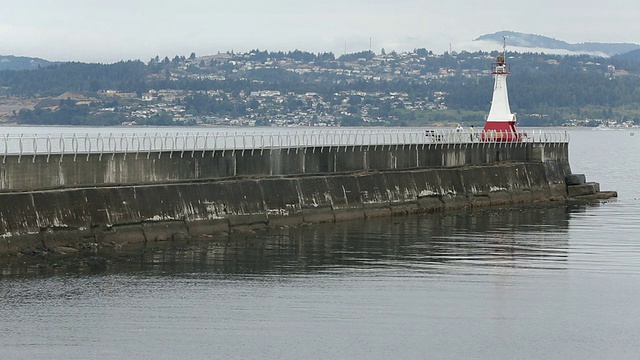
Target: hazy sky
(111,30)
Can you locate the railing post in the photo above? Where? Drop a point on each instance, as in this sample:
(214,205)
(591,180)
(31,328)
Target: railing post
(112,145)
(34,147)
(99,146)
(20,146)
(234,144)
(48,146)
(146,144)
(135,144)
(124,148)
(193,139)
(6,148)
(184,144)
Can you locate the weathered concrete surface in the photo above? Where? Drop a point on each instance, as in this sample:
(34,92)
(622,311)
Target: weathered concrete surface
(149,214)
(345,195)
(282,201)
(600,195)
(575,179)
(315,201)
(579,188)
(589,188)
(39,172)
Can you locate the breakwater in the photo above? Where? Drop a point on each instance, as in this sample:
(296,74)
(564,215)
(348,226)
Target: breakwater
(83,200)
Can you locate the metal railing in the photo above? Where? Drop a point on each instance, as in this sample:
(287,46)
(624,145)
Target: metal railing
(135,143)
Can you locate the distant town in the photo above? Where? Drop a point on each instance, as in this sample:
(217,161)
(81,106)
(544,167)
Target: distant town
(259,88)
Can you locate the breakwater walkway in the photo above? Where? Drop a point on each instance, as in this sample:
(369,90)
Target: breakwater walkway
(92,191)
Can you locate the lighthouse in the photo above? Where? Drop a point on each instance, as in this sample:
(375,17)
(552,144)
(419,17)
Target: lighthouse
(501,123)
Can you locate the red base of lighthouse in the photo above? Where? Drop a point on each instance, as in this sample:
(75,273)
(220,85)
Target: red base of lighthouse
(500,131)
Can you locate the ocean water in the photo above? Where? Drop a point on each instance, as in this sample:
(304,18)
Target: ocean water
(558,281)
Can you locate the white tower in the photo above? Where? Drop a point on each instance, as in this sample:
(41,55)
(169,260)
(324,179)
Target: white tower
(501,123)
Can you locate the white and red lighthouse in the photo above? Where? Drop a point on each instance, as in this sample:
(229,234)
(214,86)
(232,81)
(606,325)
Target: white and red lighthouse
(501,123)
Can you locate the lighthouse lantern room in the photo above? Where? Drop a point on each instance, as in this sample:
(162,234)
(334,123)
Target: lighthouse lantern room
(501,123)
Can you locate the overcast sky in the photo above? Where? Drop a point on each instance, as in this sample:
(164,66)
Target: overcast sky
(107,31)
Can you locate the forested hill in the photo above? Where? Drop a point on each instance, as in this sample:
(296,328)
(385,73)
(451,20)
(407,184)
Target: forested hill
(270,88)
(22,63)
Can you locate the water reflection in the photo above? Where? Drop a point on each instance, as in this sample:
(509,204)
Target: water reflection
(455,242)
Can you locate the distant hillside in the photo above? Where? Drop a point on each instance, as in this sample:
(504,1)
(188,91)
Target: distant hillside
(629,56)
(10,62)
(539,43)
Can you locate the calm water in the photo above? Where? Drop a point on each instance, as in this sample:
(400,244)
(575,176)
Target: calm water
(550,282)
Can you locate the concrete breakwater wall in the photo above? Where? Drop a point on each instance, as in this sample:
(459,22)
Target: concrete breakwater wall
(186,198)
(104,216)
(53,171)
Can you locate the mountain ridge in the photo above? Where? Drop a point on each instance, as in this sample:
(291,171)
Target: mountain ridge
(540,42)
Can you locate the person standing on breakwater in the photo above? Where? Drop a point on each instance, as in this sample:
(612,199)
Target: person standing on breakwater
(458,136)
